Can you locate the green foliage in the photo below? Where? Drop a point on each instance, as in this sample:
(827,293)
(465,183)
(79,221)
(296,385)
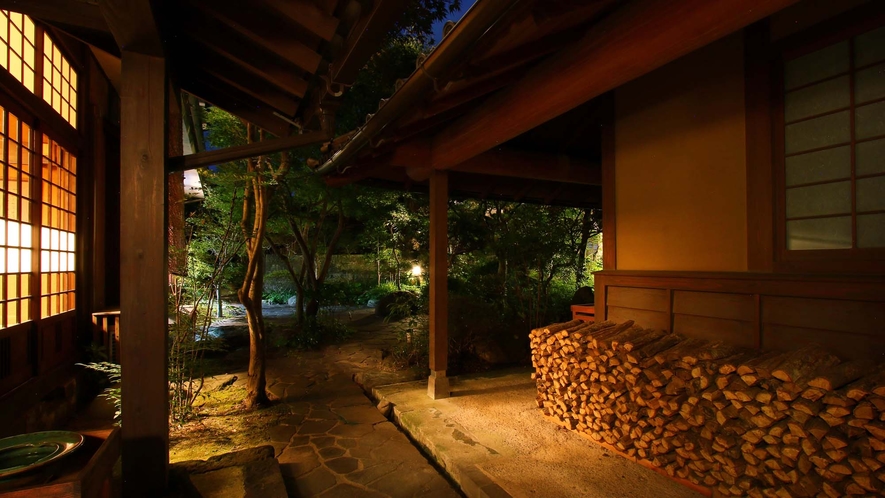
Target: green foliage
(213,247)
(343,292)
(377,292)
(278,296)
(413,335)
(113,393)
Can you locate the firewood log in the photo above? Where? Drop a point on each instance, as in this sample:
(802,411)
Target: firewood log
(842,374)
(802,363)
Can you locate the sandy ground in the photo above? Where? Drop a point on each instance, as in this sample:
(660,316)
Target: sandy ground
(491,423)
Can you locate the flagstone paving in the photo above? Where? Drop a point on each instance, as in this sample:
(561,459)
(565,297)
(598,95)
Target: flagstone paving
(334,442)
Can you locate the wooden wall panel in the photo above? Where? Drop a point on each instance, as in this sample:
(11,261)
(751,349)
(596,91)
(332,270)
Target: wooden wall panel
(640,299)
(643,318)
(714,304)
(739,333)
(846,346)
(825,314)
(845,314)
(15,367)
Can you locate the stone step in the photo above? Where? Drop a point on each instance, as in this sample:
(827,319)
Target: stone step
(251,473)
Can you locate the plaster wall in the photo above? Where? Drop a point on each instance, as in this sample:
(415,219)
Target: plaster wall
(680,164)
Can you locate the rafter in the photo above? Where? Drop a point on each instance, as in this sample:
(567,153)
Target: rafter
(215,44)
(258,90)
(364,39)
(307,15)
(247,25)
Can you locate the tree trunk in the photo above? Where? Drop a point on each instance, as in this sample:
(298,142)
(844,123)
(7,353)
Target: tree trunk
(581,262)
(299,305)
(257,388)
(313,308)
(378,261)
(255,202)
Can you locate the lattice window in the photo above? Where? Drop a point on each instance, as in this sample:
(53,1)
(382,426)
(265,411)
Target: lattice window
(18,47)
(57,239)
(16,226)
(834,146)
(59,82)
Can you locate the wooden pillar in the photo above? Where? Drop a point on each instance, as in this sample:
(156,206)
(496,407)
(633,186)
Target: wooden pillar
(143,275)
(175,208)
(438,384)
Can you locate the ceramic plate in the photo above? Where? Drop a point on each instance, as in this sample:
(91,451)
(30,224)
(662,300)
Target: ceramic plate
(25,452)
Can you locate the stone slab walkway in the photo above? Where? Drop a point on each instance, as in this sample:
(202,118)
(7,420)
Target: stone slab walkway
(329,439)
(492,439)
(337,444)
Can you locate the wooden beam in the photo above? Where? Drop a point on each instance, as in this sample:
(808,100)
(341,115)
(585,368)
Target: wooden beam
(533,166)
(501,162)
(220,51)
(71,12)
(237,104)
(251,27)
(307,15)
(365,170)
(365,38)
(505,162)
(464,92)
(257,89)
(143,275)
(634,40)
(438,383)
(133,25)
(228,154)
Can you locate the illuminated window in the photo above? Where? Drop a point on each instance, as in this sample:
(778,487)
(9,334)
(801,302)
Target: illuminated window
(17,46)
(57,229)
(834,145)
(16,228)
(59,82)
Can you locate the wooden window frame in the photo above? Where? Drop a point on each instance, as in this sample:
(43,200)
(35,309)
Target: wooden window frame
(765,148)
(44,350)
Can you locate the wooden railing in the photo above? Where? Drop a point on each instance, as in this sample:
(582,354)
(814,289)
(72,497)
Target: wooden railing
(106,331)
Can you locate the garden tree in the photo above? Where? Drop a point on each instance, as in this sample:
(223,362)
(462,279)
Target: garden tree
(522,251)
(314,215)
(310,219)
(256,178)
(591,225)
(261,176)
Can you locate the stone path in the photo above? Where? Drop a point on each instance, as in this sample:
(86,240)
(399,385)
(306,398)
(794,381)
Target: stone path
(330,440)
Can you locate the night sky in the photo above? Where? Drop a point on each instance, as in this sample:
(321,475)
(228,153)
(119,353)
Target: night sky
(454,16)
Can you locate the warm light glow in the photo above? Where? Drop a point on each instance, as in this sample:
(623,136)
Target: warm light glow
(17,47)
(416,271)
(59,82)
(57,240)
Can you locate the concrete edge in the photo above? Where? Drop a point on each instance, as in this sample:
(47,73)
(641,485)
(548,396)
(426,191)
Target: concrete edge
(474,483)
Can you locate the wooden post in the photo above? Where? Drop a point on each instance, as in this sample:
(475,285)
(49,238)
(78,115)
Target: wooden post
(143,275)
(438,384)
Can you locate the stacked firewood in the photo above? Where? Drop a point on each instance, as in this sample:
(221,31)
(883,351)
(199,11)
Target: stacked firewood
(743,422)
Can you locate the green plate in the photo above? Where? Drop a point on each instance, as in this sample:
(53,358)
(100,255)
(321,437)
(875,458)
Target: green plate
(26,452)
